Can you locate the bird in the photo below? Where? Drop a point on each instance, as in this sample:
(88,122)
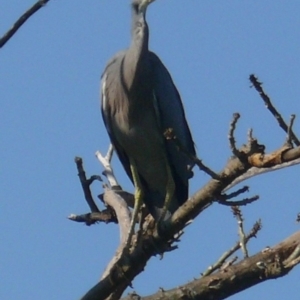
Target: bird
(139,103)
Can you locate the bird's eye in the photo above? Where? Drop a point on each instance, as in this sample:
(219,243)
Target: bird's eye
(138,24)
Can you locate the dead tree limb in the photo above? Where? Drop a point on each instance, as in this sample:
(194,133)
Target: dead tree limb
(221,261)
(33,9)
(85,183)
(268,103)
(106,216)
(292,159)
(270,263)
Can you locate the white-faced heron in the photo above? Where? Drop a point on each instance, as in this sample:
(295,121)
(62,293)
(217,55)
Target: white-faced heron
(139,102)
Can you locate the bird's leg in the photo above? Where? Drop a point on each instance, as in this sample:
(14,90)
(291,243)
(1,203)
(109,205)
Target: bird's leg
(170,189)
(138,201)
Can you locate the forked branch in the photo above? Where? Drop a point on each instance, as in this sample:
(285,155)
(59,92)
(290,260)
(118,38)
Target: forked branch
(258,86)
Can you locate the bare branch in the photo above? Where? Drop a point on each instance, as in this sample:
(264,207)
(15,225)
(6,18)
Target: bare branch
(109,153)
(290,129)
(293,259)
(126,196)
(254,171)
(231,138)
(85,183)
(229,263)
(119,205)
(258,86)
(39,4)
(238,215)
(250,136)
(272,263)
(223,198)
(108,171)
(234,194)
(220,262)
(242,202)
(106,216)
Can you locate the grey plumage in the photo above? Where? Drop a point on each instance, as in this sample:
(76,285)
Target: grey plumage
(139,102)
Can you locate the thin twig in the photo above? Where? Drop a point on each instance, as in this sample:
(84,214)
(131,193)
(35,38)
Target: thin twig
(242,202)
(290,129)
(240,191)
(220,262)
(93,178)
(258,86)
(231,138)
(229,263)
(250,136)
(39,4)
(238,214)
(112,197)
(85,183)
(205,169)
(106,216)
(109,153)
(108,171)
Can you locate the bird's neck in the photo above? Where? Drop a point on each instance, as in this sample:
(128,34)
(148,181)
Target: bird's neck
(136,58)
(139,29)
(139,34)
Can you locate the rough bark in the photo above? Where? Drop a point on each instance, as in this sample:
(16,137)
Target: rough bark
(270,263)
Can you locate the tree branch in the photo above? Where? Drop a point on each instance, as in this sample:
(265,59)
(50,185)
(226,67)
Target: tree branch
(254,171)
(106,216)
(270,263)
(231,138)
(243,240)
(221,261)
(85,183)
(108,171)
(258,86)
(39,4)
(123,214)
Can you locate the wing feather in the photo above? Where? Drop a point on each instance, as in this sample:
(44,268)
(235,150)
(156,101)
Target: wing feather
(106,80)
(171,115)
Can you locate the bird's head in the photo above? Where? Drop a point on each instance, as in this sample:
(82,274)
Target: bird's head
(140,6)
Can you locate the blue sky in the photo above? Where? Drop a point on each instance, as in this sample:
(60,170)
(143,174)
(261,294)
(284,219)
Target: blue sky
(49,97)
